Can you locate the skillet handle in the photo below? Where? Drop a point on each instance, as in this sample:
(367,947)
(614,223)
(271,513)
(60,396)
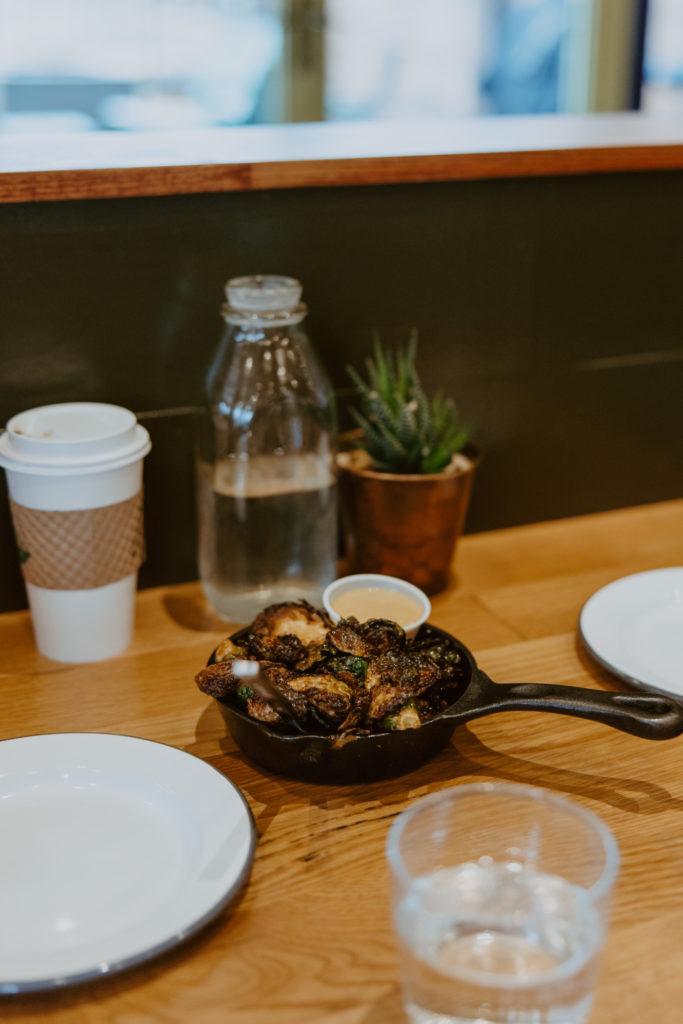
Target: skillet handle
(649,715)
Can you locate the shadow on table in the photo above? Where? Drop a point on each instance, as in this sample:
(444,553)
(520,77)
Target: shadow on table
(190,609)
(638,796)
(465,758)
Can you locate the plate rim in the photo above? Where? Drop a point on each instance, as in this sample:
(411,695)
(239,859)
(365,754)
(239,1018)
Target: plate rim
(194,926)
(609,666)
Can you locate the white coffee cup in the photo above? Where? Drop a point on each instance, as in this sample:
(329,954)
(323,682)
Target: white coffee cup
(74,475)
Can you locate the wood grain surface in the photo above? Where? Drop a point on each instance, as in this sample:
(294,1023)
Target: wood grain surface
(98,165)
(310,940)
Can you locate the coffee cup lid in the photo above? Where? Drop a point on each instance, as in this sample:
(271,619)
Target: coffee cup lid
(72,437)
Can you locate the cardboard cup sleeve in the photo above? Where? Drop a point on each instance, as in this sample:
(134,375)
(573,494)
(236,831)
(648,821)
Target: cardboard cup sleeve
(80,549)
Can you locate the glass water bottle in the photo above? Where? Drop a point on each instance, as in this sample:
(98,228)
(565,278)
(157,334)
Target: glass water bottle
(266,461)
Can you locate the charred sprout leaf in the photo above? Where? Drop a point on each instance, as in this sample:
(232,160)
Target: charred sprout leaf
(355,719)
(395,678)
(297,618)
(227,649)
(217,680)
(330,697)
(444,652)
(443,655)
(358,667)
(367,639)
(407,718)
(244,692)
(262,711)
(285,649)
(382,635)
(346,636)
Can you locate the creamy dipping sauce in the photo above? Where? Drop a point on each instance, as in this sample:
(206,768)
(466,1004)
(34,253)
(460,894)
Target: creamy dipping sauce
(377,603)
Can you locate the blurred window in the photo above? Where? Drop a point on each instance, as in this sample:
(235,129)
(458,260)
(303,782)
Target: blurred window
(662,89)
(158,64)
(399,58)
(135,64)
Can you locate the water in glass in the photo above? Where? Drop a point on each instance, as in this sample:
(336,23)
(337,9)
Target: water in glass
(266,457)
(492,943)
(270,540)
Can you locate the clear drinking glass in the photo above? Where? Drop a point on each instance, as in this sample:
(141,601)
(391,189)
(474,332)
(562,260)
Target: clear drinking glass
(500,899)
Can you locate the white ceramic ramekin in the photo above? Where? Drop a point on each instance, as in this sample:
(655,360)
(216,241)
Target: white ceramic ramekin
(377,581)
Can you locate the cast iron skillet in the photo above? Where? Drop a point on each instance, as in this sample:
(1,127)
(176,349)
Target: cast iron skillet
(362,758)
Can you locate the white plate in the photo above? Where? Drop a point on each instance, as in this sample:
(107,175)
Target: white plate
(112,850)
(634,628)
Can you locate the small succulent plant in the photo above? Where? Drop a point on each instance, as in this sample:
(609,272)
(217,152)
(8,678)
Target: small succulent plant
(403,430)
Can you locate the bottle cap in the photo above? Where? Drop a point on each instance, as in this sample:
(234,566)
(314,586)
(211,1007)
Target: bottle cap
(264,298)
(263,292)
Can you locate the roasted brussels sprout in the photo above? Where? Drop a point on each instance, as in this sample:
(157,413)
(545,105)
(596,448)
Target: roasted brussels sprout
(396,677)
(286,650)
(227,649)
(347,679)
(407,718)
(330,697)
(298,618)
(346,637)
(219,680)
(367,639)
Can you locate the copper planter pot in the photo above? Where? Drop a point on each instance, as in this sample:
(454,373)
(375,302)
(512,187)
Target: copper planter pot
(404,525)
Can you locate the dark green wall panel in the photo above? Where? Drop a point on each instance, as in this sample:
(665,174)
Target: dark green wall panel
(549,308)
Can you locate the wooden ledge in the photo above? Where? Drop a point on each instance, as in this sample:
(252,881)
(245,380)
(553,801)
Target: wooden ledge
(109,165)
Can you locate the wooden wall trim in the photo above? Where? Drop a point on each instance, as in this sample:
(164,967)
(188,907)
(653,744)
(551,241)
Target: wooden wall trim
(109,165)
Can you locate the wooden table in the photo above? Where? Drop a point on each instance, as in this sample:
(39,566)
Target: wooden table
(311,939)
